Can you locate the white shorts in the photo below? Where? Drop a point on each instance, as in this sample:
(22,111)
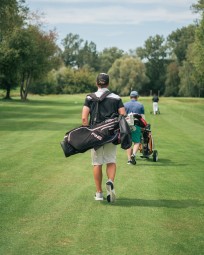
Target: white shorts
(155,107)
(104,155)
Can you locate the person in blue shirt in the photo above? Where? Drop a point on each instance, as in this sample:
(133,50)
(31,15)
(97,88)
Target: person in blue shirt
(133,106)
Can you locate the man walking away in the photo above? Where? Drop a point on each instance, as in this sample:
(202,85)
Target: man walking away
(155,101)
(106,154)
(133,106)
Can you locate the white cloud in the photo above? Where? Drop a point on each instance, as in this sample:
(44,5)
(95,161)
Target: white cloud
(114,15)
(65,14)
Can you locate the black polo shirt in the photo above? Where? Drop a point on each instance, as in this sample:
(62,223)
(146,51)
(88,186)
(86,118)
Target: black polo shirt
(107,107)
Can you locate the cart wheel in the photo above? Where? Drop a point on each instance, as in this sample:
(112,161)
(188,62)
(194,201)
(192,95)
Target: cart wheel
(155,156)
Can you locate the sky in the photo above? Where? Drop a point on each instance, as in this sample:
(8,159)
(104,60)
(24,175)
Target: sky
(125,24)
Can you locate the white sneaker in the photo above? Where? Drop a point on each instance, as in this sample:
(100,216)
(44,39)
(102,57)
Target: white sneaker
(110,191)
(98,196)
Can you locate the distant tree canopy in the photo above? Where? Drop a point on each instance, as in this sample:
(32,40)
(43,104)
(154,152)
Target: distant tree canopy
(79,54)
(12,14)
(31,60)
(179,40)
(26,51)
(127,74)
(108,56)
(154,53)
(197,57)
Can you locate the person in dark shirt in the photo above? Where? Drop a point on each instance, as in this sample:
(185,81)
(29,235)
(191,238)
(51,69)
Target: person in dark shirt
(155,102)
(133,106)
(106,154)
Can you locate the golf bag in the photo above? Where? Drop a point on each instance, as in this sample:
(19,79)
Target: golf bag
(83,138)
(136,119)
(147,146)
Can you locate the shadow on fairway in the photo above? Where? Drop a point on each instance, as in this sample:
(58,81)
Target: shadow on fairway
(45,102)
(179,204)
(161,162)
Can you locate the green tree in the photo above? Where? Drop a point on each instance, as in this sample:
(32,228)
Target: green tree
(85,81)
(172,80)
(198,46)
(154,53)
(72,44)
(8,65)
(108,56)
(186,74)
(179,40)
(64,78)
(198,7)
(88,56)
(192,70)
(79,54)
(190,80)
(46,85)
(12,17)
(127,73)
(12,14)
(36,51)
(71,81)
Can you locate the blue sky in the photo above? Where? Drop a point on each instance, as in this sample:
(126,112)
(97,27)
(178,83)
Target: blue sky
(125,24)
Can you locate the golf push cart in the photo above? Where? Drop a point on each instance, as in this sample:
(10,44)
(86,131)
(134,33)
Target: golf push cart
(147,147)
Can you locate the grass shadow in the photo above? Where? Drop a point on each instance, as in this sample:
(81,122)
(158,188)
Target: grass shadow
(161,162)
(179,204)
(46,102)
(40,115)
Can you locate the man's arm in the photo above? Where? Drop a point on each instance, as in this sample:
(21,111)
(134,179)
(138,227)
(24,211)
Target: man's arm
(122,111)
(85,116)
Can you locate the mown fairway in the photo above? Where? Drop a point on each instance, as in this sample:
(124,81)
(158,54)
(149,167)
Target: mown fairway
(46,200)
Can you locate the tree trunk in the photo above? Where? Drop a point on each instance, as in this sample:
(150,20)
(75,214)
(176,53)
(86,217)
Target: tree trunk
(8,90)
(24,86)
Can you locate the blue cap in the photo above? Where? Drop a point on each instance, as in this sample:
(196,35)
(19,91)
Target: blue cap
(134,94)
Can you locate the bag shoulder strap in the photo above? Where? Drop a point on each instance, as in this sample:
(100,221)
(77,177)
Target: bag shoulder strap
(101,98)
(97,100)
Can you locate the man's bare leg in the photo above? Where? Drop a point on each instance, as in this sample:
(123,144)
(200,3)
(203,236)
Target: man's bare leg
(98,175)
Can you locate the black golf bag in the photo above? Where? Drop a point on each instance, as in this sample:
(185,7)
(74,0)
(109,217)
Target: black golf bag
(83,138)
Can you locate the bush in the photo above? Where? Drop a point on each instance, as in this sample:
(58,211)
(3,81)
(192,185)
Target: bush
(65,81)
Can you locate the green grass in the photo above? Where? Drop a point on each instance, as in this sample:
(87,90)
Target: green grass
(46,200)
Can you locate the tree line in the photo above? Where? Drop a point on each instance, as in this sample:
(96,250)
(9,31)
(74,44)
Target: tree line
(31,59)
